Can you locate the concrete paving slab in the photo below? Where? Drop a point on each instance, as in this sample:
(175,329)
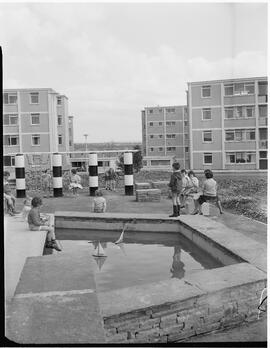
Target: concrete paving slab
(234,275)
(128,299)
(56,319)
(57,272)
(20,243)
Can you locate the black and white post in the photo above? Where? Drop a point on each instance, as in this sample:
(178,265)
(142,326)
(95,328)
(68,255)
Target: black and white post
(57,175)
(20,175)
(128,164)
(93,173)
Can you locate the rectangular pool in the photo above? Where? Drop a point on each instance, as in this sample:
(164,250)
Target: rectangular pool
(143,257)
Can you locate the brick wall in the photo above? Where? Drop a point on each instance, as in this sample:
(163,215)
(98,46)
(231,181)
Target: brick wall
(148,195)
(171,322)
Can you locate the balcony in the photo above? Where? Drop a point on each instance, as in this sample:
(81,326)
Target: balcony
(262,99)
(263,121)
(263,144)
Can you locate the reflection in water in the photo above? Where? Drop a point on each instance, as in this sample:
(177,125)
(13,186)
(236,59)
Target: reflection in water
(177,268)
(100,261)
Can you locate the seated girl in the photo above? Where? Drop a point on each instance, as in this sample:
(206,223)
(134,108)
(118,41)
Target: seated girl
(36,223)
(209,193)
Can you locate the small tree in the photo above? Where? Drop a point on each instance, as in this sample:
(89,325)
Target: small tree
(137,160)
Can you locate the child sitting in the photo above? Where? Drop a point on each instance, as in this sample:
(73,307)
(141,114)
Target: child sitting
(75,182)
(99,203)
(36,223)
(8,196)
(26,207)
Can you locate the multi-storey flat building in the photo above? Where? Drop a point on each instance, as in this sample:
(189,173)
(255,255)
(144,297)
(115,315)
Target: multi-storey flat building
(165,136)
(35,121)
(228,124)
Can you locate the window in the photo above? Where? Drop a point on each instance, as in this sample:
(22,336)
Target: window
(150,111)
(263,154)
(70,143)
(240,134)
(262,110)
(10,98)
(170,110)
(170,123)
(10,120)
(171,148)
(160,110)
(160,136)
(11,140)
(59,120)
(228,89)
(35,140)
(206,91)
(60,139)
(230,157)
(207,158)
(35,119)
(186,149)
(239,111)
(151,124)
(185,123)
(160,123)
(34,98)
(250,134)
(263,88)
(239,88)
(250,111)
(206,114)
(207,136)
(229,113)
(160,149)
(9,161)
(151,136)
(170,136)
(151,149)
(59,101)
(229,135)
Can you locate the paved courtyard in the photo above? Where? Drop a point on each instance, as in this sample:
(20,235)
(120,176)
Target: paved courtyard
(118,202)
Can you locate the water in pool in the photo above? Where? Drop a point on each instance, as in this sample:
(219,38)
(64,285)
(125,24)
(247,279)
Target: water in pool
(142,258)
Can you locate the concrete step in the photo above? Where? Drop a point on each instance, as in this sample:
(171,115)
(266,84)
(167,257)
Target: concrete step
(56,302)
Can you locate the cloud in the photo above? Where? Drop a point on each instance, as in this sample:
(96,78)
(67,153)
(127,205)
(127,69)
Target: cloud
(107,78)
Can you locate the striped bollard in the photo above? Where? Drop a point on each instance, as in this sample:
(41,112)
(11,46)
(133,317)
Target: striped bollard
(128,164)
(93,173)
(57,175)
(20,175)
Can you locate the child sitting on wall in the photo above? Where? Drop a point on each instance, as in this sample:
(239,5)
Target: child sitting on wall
(99,202)
(36,223)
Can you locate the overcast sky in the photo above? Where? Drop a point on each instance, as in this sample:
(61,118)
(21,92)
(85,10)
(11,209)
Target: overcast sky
(112,60)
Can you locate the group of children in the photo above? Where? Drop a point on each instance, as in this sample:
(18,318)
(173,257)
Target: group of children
(183,184)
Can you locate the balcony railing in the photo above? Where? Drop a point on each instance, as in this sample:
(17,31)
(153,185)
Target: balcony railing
(262,99)
(263,121)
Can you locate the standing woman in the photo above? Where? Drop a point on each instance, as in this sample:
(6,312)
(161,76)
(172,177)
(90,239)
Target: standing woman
(175,186)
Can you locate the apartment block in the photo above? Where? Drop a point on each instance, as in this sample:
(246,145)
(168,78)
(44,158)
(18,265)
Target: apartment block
(165,136)
(35,121)
(228,122)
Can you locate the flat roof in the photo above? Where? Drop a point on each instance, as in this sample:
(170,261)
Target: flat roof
(263,78)
(30,89)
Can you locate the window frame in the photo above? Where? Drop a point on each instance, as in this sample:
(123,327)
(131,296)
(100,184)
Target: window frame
(9,137)
(203,134)
(60,136)
(243,154)
(206,119)
(59,99)
(60,117)
(10,116)
(31,95)
(206,87)
(207,154)
(32,142)
(11,94)
(35,115)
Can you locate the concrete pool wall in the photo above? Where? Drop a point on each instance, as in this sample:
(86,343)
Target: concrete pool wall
(173,310)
